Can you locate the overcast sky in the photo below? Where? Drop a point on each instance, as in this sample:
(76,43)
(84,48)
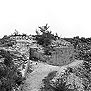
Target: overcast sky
(68,18)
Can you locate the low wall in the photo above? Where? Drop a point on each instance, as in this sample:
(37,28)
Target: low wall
(60,56)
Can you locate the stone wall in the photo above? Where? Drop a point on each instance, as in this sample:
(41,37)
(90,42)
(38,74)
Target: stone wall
(34,54)
(62,56)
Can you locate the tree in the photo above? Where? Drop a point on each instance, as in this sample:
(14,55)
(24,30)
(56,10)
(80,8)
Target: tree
(46,36)
(16,32)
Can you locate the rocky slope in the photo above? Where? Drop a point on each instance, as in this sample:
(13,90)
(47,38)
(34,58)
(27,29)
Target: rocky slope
(34,80)
(51,68)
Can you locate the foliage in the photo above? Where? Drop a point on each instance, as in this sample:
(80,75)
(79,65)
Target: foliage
(76,41)
(82,48)
(6,41)
(10,76)
(46,81)
(45,37)
(58,85)
(73,79)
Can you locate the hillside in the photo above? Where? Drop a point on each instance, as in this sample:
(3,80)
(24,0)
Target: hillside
(40,62)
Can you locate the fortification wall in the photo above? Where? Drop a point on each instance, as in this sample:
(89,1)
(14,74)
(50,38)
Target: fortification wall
(62,56)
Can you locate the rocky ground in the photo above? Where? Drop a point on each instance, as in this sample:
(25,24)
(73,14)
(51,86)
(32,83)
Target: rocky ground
(41,70)
(61,60)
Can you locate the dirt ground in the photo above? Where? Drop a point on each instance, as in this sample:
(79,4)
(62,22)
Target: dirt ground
(41,70)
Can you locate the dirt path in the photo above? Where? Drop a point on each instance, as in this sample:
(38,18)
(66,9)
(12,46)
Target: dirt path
(34,80)
(41,70)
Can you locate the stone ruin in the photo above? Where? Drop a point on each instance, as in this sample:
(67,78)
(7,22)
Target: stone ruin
(61,56)
(62,53)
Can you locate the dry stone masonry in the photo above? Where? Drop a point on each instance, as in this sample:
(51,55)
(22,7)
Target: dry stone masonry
(62,53)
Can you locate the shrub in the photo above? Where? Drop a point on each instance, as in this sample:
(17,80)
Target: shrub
(46,81)
(10,76)
(6,41)
(45,37)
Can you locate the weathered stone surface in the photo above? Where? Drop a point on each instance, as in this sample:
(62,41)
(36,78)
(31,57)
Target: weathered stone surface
(72,80)
(62,54)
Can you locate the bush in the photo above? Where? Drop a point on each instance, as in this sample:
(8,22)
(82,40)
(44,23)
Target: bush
(73,79)
(46,81)
(10,76)
(45,37)
(6,41)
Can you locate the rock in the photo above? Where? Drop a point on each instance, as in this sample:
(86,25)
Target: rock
(69,80)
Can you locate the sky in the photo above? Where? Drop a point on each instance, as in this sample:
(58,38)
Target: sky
(68,18)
